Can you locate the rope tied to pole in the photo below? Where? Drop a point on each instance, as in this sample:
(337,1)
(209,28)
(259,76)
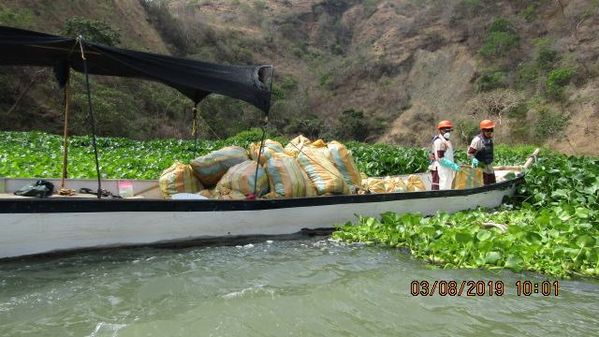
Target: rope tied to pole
(263,128)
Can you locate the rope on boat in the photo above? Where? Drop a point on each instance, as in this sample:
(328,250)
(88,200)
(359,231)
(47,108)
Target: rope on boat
(263,127)
(316,161)
(65,161)
(91,115)
(195,125)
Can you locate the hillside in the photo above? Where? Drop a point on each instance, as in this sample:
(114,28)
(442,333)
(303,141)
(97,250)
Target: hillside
(375,70)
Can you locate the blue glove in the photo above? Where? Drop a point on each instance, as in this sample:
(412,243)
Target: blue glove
(448,163)
(475,162)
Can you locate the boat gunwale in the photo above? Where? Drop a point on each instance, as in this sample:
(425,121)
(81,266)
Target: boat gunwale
(87,205)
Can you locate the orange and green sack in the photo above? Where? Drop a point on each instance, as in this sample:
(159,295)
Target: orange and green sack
(468,177)
(322,172)
(241,178)
(296,145)
(374,185)
(395,184)
(415,184)
(270,147)
(343,160)
(389,184)
(178,178)
(287,179)
(211,167)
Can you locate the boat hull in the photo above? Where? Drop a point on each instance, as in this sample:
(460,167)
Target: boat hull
(39,226)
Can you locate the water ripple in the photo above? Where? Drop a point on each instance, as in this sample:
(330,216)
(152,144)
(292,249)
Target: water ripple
(295,288)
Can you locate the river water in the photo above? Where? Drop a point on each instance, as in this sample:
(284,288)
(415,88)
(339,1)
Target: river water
(309,287)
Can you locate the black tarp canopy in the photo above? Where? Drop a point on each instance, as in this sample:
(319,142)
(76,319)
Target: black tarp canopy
(194,79)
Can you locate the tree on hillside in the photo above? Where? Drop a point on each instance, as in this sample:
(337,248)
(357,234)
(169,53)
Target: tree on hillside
(91,30)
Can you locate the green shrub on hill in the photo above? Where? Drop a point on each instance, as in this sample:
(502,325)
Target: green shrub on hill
(557,79)
(310,126)
(491,80)
(527,77)
(16,17)
(169,28)
(501,39)
(546,58)
(530,13)
(550,124)
(91,30)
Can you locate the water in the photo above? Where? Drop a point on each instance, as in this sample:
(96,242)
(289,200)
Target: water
(282,288)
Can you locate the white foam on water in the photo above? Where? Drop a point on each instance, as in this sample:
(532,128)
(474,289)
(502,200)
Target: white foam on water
(107,330)
(249,291)
(114,300)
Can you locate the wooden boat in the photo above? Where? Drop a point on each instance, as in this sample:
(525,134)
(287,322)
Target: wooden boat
(30,226)
(57,224)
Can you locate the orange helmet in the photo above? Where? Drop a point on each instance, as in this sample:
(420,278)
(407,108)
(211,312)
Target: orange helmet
(444,125)
(487,124)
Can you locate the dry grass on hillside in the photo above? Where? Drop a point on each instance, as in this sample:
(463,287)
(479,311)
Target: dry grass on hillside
(405,64)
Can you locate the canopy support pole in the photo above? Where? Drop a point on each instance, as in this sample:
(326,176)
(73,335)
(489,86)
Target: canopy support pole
(65,146)
(91,115)
(194,127)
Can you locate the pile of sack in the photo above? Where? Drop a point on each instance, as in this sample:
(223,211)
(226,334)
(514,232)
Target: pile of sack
(392,184)
(300,169)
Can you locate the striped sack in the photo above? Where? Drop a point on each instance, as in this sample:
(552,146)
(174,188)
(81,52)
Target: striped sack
(296,145)
(344,162)
(468,177)
(270,147)
(287,179)
(374,185)
(178,178)
(241,178)
(395,184)
(211,167)
(415,184)
(322,172)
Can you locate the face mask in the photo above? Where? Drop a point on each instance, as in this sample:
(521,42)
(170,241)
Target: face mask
(446,135)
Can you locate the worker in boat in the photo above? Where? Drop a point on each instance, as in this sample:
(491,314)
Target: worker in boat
(481,151)
(443,166)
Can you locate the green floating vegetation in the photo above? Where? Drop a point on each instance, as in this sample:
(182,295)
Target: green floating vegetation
(39,155)
(552,226)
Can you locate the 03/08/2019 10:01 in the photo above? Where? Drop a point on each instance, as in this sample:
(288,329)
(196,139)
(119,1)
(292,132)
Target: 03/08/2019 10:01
(481,288)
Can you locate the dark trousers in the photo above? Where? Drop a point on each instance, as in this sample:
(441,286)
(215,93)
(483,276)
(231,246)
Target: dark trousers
(488,178)
(435,180)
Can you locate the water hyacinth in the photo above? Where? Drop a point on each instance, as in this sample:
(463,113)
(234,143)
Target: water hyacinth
(533,241)
(39,155)
(552,228)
